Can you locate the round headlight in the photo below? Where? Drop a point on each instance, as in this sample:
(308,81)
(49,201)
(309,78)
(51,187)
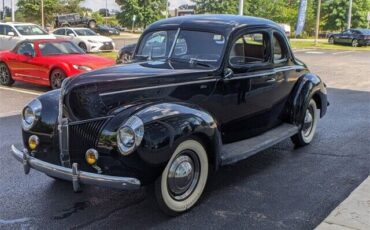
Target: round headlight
(31,114)
(130,135)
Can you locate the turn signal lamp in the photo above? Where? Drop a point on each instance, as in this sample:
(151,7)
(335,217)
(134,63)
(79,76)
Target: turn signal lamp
(33,142)
(91,156)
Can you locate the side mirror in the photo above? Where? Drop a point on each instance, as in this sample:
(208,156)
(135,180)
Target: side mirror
(71,35)
(228,73)
(11,33)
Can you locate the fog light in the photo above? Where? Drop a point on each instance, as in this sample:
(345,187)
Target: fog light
(91,156)
(33,142)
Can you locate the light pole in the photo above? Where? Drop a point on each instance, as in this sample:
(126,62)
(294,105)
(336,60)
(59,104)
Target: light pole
(42,14)
(241,6)
(13,10)
(167,8)
(317,22)
(106,12)
(3,16)
(349,15)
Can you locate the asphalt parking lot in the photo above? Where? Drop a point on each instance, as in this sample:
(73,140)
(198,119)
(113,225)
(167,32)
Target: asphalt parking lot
(280,188)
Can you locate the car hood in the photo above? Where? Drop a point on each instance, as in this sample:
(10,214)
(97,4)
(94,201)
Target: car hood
(96,38)
(91,61)
(115,86)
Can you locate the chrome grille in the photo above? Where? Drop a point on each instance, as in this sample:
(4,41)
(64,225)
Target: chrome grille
(83,136)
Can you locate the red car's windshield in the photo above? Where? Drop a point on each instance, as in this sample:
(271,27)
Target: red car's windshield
(59,48)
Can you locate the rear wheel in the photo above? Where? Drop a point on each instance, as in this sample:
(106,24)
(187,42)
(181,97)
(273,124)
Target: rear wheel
(83,46)
(56,78)
(331,40)
(5,75)
(92,24)
(183,180)
(308,128)
(355,43)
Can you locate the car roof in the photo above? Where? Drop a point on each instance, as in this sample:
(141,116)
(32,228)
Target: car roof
(222,23)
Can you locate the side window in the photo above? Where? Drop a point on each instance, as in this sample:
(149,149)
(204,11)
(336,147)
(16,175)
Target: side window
(68,32)
(279,48)
(26,48)
(251,48)
(155,45)
(59,32)
(2,29)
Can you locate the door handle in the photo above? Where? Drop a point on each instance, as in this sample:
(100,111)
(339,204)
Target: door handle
(270,80)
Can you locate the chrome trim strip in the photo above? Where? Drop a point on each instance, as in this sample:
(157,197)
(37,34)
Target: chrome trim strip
(90,120)
(156,87)
(74,175)
(174,43)
(274,71)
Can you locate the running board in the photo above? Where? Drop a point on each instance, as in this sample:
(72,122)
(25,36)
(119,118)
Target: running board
(236,151)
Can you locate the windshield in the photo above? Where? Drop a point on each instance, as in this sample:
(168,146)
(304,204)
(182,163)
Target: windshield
(59,48)
(30,30)
(190,46)
(85,32)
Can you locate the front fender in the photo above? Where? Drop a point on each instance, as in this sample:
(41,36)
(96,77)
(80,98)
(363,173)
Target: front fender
(165,125)
(307,86)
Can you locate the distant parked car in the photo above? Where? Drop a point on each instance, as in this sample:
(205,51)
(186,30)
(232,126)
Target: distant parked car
(12,33)
(46,62)
(125,54)
(106,30)
(353,37)
(74,20)
(86,39)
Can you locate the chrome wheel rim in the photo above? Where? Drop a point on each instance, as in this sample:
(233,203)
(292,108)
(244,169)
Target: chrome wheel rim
(57,79)
(83,47)
(183,175)
(308,122)
(331,40)
(354,43)
(4,74)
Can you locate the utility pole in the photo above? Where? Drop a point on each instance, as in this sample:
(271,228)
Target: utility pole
(3,16)
(241,7)
(167,8)
(317,22)
(42,14)
(13,11)
(106,12)
(349,15)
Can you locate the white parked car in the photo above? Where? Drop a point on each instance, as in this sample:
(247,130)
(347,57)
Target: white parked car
(86,39)
(12,32)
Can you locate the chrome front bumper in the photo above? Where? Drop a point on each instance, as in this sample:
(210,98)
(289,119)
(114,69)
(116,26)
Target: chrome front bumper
(73,174)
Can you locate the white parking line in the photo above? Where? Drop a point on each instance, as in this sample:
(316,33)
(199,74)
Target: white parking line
(9,114)
(343,52)
(314,52)
(20,90)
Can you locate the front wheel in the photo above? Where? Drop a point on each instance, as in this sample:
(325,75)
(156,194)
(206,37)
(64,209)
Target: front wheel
(183,180)
(56,78)
(355,43)
(308,128)
(331,40)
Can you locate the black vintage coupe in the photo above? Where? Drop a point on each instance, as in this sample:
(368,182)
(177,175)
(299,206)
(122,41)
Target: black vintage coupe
(353,37)
(201,92)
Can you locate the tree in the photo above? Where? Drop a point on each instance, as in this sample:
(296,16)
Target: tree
(216,6)
(335,14)
(146,11)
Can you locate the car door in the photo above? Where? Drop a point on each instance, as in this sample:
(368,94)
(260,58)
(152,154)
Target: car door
(346,37)
(247,93)
(24,64)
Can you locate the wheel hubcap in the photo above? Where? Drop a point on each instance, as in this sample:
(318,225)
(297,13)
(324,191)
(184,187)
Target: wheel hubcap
(57,80)
(4,74)
(308,122)
(355,43)
(183,175)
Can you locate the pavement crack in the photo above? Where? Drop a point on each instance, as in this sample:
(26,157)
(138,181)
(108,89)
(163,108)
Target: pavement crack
(335,155)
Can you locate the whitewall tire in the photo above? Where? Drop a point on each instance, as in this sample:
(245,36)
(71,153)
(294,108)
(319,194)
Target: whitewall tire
(183,180)
(308,129)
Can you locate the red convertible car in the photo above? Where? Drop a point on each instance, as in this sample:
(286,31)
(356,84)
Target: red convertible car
(46,62)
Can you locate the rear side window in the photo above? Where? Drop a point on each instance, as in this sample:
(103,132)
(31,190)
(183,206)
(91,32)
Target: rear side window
(5,29)
(250,48)
(279,48)
(26,48)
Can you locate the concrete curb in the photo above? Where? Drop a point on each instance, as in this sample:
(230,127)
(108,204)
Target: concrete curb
(352,213)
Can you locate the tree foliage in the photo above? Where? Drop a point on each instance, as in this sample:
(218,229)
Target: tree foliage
(30,10)
(146,11)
